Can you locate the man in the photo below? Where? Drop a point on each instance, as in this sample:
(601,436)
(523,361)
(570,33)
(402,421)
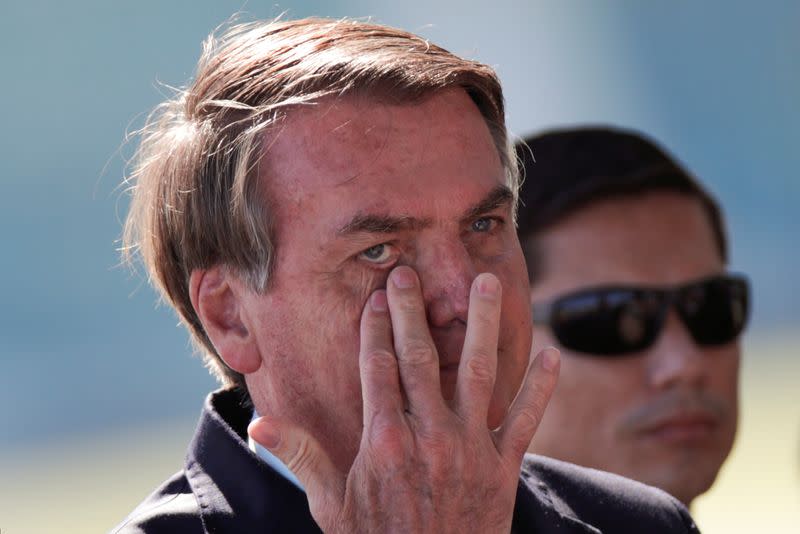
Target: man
(330,208)
(627,264)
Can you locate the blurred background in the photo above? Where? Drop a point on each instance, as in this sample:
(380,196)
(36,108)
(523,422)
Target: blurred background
(99,391)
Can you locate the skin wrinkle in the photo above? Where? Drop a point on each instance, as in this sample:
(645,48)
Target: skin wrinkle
(500,196)
(378,150)
(336,301)
(382,224)
(365,223)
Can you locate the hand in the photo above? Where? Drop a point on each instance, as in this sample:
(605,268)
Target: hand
(424,465)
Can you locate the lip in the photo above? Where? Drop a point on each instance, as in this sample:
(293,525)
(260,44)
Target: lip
(683,428)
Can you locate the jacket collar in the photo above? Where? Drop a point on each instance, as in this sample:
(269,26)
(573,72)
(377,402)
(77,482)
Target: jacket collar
(235,490)
(238,492)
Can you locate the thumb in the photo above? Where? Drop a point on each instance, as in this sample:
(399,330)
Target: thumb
(304,457)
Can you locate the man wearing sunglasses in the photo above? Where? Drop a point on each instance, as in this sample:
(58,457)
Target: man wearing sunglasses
(627,263)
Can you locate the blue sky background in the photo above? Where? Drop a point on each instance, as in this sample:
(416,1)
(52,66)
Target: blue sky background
(83,345)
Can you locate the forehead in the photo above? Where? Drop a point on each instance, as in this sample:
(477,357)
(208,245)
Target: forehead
(658,238)
(341,157)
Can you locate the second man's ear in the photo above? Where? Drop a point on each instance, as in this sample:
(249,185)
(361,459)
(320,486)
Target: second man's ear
(216,300)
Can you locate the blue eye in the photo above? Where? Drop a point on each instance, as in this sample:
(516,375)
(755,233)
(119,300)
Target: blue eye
(484,224)
(377,254)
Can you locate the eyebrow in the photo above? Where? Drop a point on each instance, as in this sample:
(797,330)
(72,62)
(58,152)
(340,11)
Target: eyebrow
(381,224)
(497,197)
(387,224)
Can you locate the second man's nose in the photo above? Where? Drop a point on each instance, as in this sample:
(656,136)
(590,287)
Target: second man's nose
(675,358)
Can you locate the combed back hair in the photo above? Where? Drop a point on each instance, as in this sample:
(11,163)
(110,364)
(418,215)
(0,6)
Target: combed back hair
(566,170)
(196,198)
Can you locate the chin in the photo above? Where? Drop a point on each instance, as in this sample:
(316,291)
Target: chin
(687,493)
(683,482)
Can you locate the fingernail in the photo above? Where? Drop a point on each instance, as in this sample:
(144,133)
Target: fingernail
(488,285)
(403,278)
(550,357)
(378,301)
(264,434)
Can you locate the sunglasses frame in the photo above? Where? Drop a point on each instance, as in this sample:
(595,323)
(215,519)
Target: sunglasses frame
(666,297)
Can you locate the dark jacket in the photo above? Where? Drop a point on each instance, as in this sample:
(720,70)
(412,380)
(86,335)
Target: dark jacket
(225,488)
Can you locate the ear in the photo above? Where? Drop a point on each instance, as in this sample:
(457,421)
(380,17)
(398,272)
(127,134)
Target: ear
(218,303)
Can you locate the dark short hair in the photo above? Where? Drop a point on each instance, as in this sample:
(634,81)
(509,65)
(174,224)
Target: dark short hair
(567,169)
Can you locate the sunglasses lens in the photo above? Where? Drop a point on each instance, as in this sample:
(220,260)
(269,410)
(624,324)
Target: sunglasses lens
(715,311)
(620,321)
(607,322)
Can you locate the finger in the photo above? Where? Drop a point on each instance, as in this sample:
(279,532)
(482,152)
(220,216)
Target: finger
(417,359)
(528,408)
(478,367)
(304,457)
(380,382)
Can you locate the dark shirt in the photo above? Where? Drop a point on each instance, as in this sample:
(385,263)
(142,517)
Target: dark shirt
(224,487)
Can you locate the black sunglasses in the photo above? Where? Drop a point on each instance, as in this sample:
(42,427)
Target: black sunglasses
(620,320)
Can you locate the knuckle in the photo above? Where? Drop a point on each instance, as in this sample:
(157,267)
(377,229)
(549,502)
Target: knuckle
(418,353)
(442,454)
(303,459)
(387,438)
(535,409)
(410,305)
(519,443)
(379,360)
(379,367)
(527,421)
(439,444)
(480,369)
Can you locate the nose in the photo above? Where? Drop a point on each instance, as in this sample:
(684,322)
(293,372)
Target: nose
(675,360)
(446,272)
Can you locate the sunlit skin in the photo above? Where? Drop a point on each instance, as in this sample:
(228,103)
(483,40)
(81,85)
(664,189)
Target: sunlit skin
(357,187)
(668,415)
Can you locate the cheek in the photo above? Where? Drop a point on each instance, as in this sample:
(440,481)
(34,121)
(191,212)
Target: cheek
(510,269)
(598,392)
(516,327)
(317,328)
(723,372)
(514,350)
(336,306)
(346,291)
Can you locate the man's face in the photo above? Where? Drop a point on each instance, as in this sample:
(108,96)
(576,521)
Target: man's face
(357,187)
(667,415)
